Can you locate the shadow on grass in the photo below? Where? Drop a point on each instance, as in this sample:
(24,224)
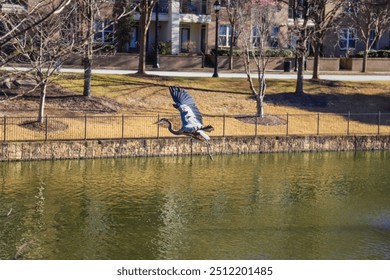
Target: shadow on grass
(369,109)
(155,81)
(51,126)
(364,108)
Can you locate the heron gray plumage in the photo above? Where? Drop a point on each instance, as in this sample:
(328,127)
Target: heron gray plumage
(191,118)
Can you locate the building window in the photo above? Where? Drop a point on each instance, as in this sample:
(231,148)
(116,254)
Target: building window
(133,39)
(187,7)
(203,39)
(204,7)
(297,7)
(104,32)
(255,37)
(225,33)
(185,39)
(274,38)
(348,38)
(292,40)
(372,42)
(68,32)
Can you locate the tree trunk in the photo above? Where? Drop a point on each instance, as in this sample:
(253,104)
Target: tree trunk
(365,57)
(316,62)
(231,49)
(88,52)
(142,47)
(299,85)
(231,58)
(42,100)
(262,89)
(87,76)
(260,105)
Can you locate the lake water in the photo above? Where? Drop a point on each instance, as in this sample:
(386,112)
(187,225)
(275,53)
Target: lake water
(267,206)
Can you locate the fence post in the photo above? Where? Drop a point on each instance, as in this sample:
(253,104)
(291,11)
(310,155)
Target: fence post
(287,126)
(379,122)
(224,125)
(158,126)
(349,118)
(46,128)
(256,124)
(85,127)
(318,123)
(123,126)
(5,128)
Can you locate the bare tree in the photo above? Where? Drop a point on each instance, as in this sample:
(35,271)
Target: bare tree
(323,14)
(125,23)
(28,20)
(146,10)
(256,18)
(371,18)
(300,29)
(43,39)
(234,8)
(40,45)
(89,11)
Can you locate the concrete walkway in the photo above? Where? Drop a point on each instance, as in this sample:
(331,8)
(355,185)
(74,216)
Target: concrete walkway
(336,76)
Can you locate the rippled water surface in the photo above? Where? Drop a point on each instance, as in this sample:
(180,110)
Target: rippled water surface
(267,206)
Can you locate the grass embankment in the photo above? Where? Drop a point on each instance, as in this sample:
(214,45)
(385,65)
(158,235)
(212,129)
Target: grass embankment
(149,96)
(145,95)
(321,109)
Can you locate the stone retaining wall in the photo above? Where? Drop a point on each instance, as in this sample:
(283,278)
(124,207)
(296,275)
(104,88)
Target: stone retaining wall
(373,64)
(326,64)
(129,61)
(16,151)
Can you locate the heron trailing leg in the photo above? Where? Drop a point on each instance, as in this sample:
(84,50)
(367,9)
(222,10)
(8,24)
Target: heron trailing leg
(208,145)
(209,151)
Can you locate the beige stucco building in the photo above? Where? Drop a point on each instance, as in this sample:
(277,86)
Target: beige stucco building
(188,26)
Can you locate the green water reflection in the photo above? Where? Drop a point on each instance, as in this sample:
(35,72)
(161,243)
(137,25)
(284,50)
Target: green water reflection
(268,206)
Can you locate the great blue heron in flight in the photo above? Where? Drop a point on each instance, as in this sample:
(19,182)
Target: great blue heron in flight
(191,118)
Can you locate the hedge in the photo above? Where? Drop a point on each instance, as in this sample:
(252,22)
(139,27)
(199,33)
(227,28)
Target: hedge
(374,53)
(269,52)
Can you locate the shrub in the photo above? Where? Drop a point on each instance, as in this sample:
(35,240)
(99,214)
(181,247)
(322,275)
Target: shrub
(163,47)
(104,48)
(384,53)
(280,52)
(374,53)
(108,48)
(269,52)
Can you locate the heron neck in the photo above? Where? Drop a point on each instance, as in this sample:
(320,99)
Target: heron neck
(171,130)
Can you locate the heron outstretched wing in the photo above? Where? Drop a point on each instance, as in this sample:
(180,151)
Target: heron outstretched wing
(190,115)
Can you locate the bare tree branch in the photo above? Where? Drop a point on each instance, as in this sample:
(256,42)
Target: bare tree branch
(371,18)
(262,19)
(29,17)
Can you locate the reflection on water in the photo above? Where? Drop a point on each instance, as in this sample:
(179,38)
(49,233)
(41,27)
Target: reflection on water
(268,206)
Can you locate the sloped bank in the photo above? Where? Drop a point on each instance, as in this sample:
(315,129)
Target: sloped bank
(50,150)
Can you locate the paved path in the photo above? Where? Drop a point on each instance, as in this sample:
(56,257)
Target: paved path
(334,77)
(337,76)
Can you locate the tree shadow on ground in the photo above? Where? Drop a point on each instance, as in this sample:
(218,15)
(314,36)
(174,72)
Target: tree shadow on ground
(155,81)
(57,97)
(358,107)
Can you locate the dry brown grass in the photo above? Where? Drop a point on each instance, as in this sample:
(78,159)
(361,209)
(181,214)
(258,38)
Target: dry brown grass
(142,98)
(149,94)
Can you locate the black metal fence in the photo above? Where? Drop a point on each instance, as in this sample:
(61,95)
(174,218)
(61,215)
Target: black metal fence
(126,127)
